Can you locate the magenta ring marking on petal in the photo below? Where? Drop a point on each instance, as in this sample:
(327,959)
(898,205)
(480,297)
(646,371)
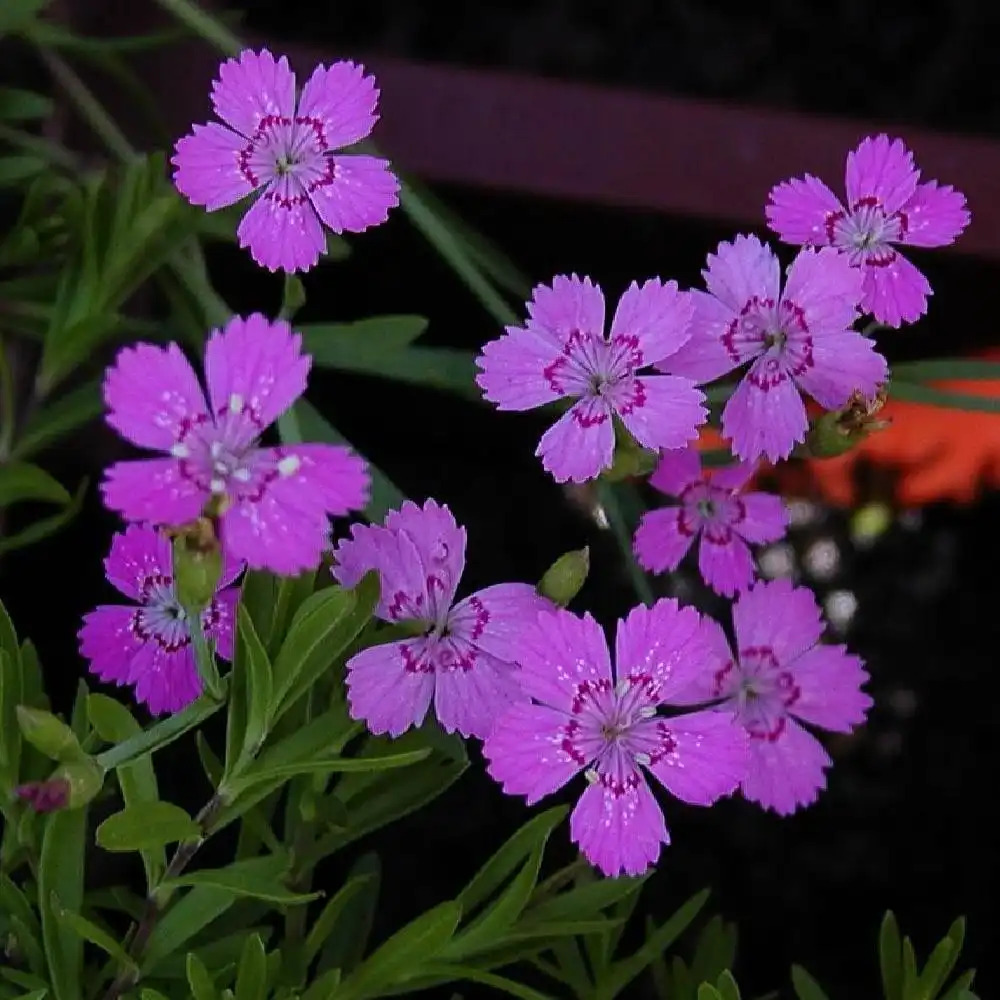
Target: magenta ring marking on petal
(150,584)
(285,202)
(788,690)
(482,618)
(880,257)
(756,731)
(448,658)
(585,692)
(401,604)
(138,628)
(631,357)
(318,128)
(328,177)
(569,747)
(668,743)
(719,678)
(585,420)
(688,520)
(636,401)
(550,371)
(415,664)
(717,534)
(830,225)
(763,655)
(617,787)
(772,374)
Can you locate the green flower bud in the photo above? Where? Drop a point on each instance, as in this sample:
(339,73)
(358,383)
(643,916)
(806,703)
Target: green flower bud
(837,432)
(564,578)
(69,787)
(197,564)
(48,734)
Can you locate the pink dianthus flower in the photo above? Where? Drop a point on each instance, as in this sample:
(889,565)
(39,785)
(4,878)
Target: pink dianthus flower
(799,338)
(589,717)
(462,655)
(713,509)
(562,353)
(886,206)
(148,645)
(273,503)
(287,150)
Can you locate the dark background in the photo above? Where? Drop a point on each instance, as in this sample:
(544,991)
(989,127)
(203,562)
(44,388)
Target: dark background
(907,820)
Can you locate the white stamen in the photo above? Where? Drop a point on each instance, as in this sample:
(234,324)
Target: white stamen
(621,688)
(243,475)
(180,450)
(289,465)
(217,486)
(647,711)
(592,776)
(642,758)
(235,403)
(216,449)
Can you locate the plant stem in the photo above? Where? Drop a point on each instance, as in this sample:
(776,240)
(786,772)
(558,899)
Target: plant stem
(208,27)
(8,404)
(48,150)
(204,658)
(608,499)
(159,896)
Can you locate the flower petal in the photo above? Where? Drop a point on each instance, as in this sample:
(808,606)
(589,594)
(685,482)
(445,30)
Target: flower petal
(765,416)
(935,215)
(524,369)
(705,357)
(558,654)
(282,231)
(765,518)
(661,411)
(493,619)
(882,170)
(895,292)
(662,539)
(218,621)
(677,469)
(787,772)
(153,396)
(828,290)
(698,757)
(165,680)
(659,650)
(344,99)
(355,193)
(779,616)
(716,676)
(255,370)
(725,563)
(657,315)
(829,680)
(251,87)
(153,490)
(109,642)
(742,270)
(842,364)
(580,444)
(570,304)
(137,554)
(472,689)
(390,686)
(620,833)
(207,167)
(440,544)
(797,210)
(280,521)
(525,752)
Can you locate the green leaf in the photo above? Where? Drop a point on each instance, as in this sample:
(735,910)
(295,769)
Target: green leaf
(403,955)
(385,494)
(348,935)
(185,918)
(371,336)
(333,765)
(252,658)
(726,984)
(942,961)
(251,979)
(21,105)
(912,392)
(323,627)
(88,931)
(439,973)
(43,527)
(584,900)
(151,824)
(114,723)
(10,697)
(806,988)
(18,14)
(890,950)
(959,990)
(60,877)
(938,369)
(60,417)
(620,974)
(708,992)
(15,169)
(326,923)
(255,878)
(199,979)
(21,481)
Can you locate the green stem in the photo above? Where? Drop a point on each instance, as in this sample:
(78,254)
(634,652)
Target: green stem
(88,105)
(608,499)
(204,658)
(191,15)
(8,407)
(160,734)
(50,151)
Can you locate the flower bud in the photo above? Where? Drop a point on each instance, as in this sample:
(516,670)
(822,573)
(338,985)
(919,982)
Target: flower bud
(197,564)
(564,578)
(630,462)
(48,734)
(70,786)
(837,432)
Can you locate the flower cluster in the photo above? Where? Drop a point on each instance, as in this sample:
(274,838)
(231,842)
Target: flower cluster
(535,682)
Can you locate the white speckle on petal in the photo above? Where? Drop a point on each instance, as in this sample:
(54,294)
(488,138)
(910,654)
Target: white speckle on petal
(217,486)
(235,403)
(180,450)
(289,465)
